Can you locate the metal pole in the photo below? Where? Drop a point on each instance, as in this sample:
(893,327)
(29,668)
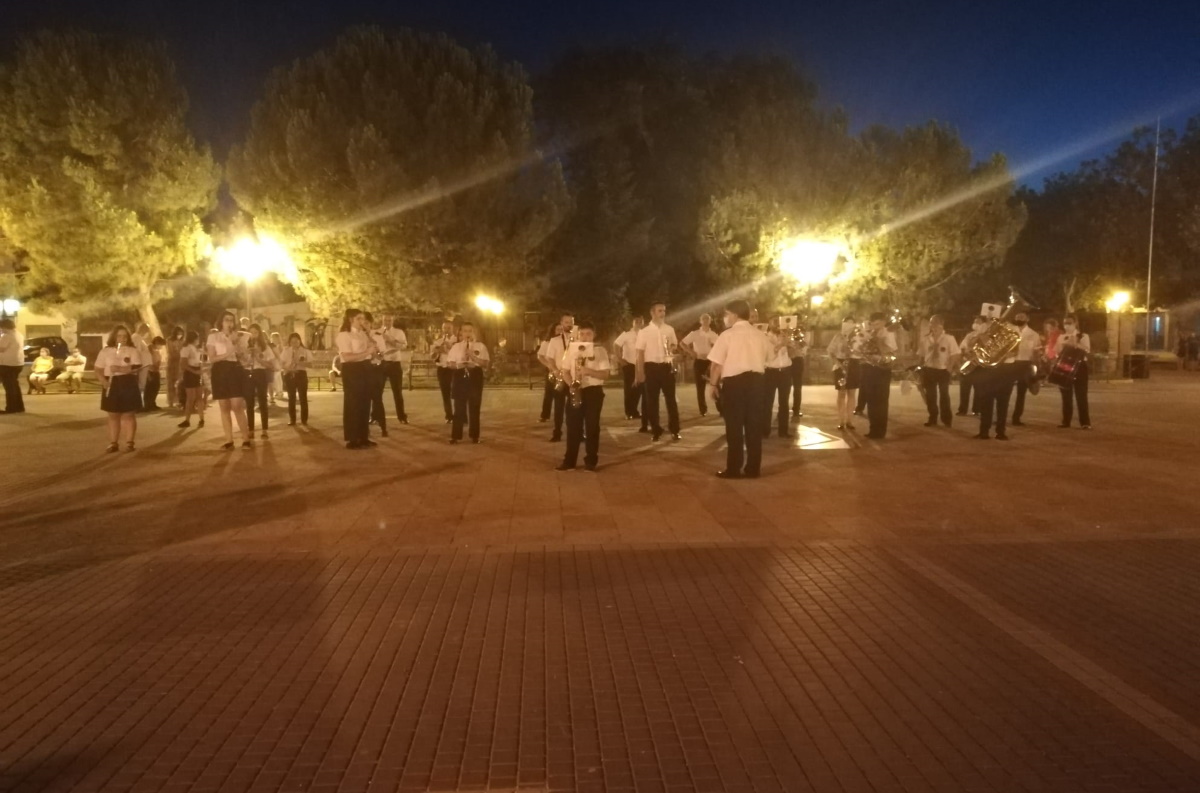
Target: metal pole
(1150,253)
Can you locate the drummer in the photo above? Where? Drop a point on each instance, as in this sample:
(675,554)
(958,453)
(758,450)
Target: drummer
(1073,345)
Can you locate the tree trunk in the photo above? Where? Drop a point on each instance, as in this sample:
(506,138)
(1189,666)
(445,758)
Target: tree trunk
(145,307)
(1069,295)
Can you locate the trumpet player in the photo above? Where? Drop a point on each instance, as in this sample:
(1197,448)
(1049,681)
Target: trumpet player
(625,351)
(696,345)
(879,351)
(656,345)
(378,378)
(440,352)
(469,359)
(548,386)
(845,352)
(392,342)
(778,381)
(939,353)
(555,348)
(585,364)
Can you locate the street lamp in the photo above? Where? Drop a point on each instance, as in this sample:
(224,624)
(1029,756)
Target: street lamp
(817,300)
(248,259)
(1115,304)
(10,307)
(489,305)
(809,262)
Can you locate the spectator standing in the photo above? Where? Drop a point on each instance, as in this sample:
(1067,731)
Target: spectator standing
(12,362)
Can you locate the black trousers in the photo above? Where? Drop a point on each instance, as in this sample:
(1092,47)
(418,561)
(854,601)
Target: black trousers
(1025,375)
(357,384)
(150,394)
(547,396)
(700,371)
(741,407)
(936,383)
(256,388)
(861,405)
(777,382)
(393,374)
(1078,393)
(445,382)
(877,386)
(559,399)
(966,383)
(994,387)
(378,381)
(583,425)
(660,380)
(797,384)
(296,384)
(10,376)
(635,395)
(468,398)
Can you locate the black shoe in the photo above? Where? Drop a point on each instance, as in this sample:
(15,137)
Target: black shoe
(948,424)
(564,467)
(858,413)
(112,447)
(675,436)
(1000,436)
(983,436)
(654,437)
(555,438)
(703,413)
(383,431)
(183,425)
(449,421)
(247,445)
(543,419)
(873,436)
(931,423)
(404,419)
(1066,426)
(1018,423)
(750,474)
(798,414)
(453,441)
(264,435)
(201,424)
(353,445)
(974,412)
(637,416)
(369,444)
(728,475)
(227,446)
(644,429)
(961,413)
(291,423)
(475,441)
(1085,426)
(589,467)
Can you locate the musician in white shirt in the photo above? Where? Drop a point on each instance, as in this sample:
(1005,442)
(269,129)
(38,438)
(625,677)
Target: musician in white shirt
(798,352)
(439,350)
(260,367)
(588,362)
(777,381)
(738,362)
(293,362)
(555,347)
(625,352)
(549,383)
(1026,351)
(656,346)
(845,353)
(354,346)
(378,381)
(116,369)
(392,343)
(191,366)
(226,348)
(469,358)
(877,373)
(1073,339)
(696,345)
(12,362)
(966,382)
(938,352)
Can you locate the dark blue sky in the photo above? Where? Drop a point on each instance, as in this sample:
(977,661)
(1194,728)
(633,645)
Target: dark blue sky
(1023,78)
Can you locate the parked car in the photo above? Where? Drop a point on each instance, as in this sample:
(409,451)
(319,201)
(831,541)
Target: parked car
(56,344)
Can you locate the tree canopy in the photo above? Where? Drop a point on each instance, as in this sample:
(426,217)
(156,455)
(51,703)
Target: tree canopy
(101,183)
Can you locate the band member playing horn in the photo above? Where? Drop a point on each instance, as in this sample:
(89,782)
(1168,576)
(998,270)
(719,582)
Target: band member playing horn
(939,354)
(625,351)
(549,383)
(656,345)
(994,386)
(797,345)
(879,352)
(585,367)
(554,353)
(966,382)
(439,350)
(1026,353)
(738,362)
(469,358)
(378,378)
(392,342)
(696,345)
(845,353)
(778,381)
(1076,345)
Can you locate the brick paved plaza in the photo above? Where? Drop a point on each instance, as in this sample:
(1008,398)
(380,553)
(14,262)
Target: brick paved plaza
(929,613)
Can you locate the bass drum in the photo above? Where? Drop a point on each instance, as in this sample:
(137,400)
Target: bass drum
(1062,373)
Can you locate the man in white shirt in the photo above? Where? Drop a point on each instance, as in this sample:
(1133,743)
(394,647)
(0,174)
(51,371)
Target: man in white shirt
(587,362)
(939,354)
(12,362)
(1026,351)
(656,346)
(439,351)
(74,366)
(391,341)
(1072,342)
(469,358)
(625,351)
(777,381)
(966,382)
(737,363)
(548,383)
(697,344)
(555,347)
(798,352)
(878,347)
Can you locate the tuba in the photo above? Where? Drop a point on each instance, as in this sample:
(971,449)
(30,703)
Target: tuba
(998,340)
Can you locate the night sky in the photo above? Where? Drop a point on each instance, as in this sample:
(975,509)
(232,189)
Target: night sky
(1024,78)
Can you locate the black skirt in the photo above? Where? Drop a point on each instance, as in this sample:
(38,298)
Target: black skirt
(853,370)
(191,380)
(228,380)
(122,396)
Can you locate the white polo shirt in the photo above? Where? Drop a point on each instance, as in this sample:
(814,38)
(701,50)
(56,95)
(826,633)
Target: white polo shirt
(627,341)
(352,342)
(1030,341)
(441,348)
(650,342)
(740,349)
(702,341)
(458,353)
(936,353)
(390,342)
(555,348)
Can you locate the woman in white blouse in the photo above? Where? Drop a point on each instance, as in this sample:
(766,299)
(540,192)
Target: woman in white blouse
(1074,338)
(191,366)
(117,368)
(354,347)
(845,353)
(260,370)
(293,361)
(226,349)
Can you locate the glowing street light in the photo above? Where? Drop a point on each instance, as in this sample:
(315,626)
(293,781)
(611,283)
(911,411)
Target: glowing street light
(818,300)
(1117,302)
(249,259)
(809,262)
(11,306)
(489,305)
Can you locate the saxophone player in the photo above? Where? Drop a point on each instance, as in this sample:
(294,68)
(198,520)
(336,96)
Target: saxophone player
(440,351)
(588,367)
(879,350)
(555,348)
(468,358)
(656,345)
(845,352)
(939,353)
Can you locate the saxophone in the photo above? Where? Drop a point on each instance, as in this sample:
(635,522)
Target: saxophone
(668,353)
(874,354)
(575,388)
(853,345)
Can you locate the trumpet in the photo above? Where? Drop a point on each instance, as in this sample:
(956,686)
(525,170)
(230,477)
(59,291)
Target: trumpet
(669,355)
